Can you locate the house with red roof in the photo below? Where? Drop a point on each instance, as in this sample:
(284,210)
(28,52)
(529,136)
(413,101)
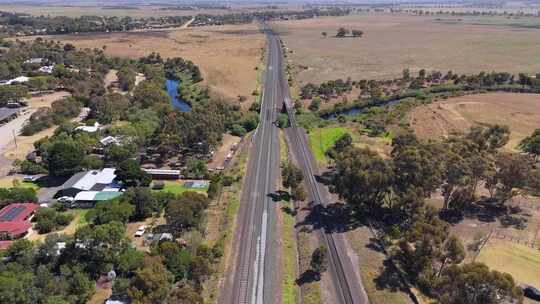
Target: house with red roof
(15,221)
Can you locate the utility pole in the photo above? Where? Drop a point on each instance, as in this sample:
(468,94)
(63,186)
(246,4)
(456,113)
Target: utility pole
(14,138)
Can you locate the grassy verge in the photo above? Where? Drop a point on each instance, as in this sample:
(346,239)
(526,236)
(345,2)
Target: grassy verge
(371,265)
(322,139)
(289,258)
(9,182)
(221,219)
(311,292)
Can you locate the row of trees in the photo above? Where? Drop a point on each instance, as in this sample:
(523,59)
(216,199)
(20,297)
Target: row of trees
(242,18)
(343,32)
(23,24)
(392,193)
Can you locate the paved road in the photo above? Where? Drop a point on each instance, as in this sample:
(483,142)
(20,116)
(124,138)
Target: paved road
(348,287)
(253,277)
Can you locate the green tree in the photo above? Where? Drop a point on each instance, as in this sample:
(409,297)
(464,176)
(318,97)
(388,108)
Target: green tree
(126,78)
(143,200)
(319,260)
(531,144)
(357,33)
(475,284)
(64,158)
(342,32)
(131,175)
(185,212)
(117,210)
(361,177)
(291,175)
(149,94)
(151,283)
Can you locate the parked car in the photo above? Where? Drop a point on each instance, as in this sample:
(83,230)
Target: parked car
(531,292)
(140,231)
(65,199)
(31,178)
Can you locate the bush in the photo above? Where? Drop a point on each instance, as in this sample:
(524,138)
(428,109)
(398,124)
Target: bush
(45,225)
(238,130)
(158,185)
(29,167)
(63,219)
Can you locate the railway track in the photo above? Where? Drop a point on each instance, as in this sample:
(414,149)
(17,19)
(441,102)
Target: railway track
(347,291)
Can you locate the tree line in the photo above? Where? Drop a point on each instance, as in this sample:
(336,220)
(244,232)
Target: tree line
(23,24)
(392,192)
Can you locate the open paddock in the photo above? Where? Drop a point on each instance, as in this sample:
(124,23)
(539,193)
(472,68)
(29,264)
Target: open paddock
(521,261)
(393,42)
(521,112)
(227,55)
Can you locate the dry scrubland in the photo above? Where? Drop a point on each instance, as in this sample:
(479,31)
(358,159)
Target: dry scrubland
(227,55)
(394,42)
(521,112)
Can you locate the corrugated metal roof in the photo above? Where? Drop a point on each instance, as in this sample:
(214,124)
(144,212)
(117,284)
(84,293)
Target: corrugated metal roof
(96,195)
(91,178)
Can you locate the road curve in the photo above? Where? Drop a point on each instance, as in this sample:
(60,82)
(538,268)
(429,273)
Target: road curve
(252,278)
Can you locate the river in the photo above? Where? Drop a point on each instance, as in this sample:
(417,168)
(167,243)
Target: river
(172,90)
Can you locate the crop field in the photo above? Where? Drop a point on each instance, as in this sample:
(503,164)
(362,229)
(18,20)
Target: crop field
(521,112)
(392,43)
(227,55)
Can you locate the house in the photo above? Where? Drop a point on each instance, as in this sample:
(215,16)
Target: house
(19,79)
(109,140)
(15,221)
(87,199)
(48,69)
(94,180)
(34,60)
(163,173)
(7,114)
(89,129)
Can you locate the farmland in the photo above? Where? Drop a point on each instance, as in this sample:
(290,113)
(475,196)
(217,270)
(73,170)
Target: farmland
(521,112)
(227,55)
(392,43)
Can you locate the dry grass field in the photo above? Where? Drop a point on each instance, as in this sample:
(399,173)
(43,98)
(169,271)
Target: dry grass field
(394,42)
(521,112)
(521,261)
(91,10)
(227,55)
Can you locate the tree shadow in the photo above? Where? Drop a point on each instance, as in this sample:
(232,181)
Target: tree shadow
(389,278)
(335,217)
(49,181)
(308,276)
(280,195)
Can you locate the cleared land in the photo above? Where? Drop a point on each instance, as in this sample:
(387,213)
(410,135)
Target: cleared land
(394,42)
(227,55)
(522,262)
(521,112)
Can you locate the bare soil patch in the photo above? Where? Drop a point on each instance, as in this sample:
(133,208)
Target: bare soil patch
(394,42)
(227,148)
(521,112)
(227,55)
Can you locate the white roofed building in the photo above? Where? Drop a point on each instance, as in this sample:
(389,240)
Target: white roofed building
(95,180)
